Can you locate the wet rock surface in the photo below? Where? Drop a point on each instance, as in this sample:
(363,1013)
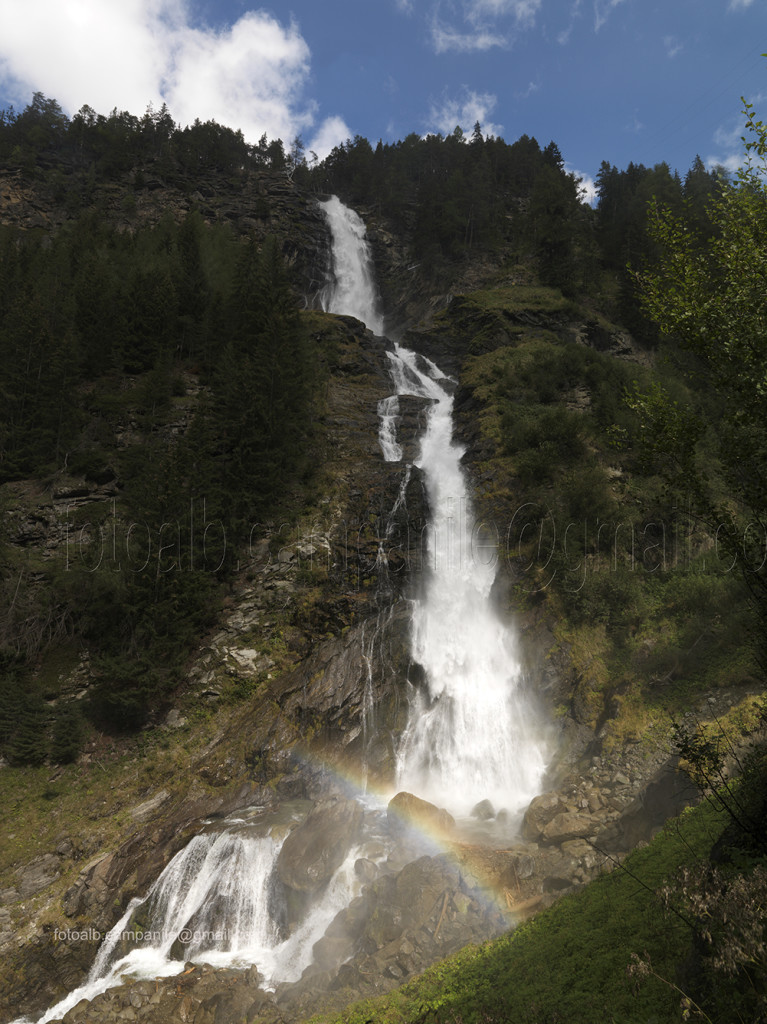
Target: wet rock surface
(416,904)
(400,923)
(200,994)
(316,849)
(408,811)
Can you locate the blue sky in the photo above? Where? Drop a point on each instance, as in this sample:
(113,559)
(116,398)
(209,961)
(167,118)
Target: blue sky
(616,80)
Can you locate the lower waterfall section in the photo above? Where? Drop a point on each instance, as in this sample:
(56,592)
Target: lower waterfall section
(217,902)
(212,899)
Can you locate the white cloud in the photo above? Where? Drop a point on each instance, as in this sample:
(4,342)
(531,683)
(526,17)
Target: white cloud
(739,5)
(73,50)
(485,24)
(524,93)
(251,75)
(672,46)
(730,136)
(523,11)
(332,132)
(602,10)
(464,111)
(587,186)
(731,162)
(563,38)
(728,140)
(446,38)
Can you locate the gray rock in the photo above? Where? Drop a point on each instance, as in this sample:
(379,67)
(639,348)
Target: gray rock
(174,719)
(595,802)
(38,874)
(6,926)
(484,810)
(541,811)
(317,847)
(567,826)
(329,951)
(667,793)
(144,811)
(366,870)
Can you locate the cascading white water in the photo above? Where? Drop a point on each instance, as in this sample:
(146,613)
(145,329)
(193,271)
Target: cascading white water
(215,895)
(212,904)
(474,732)
(388,414)
(352,291)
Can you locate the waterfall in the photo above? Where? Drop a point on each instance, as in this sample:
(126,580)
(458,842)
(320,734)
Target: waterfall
(211,904)
(388,414)
(351,291)
(473,731)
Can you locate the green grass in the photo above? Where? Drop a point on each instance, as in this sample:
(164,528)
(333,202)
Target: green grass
(512,299)
(569,964)
(89,803)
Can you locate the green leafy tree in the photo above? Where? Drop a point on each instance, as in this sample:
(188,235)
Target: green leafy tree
(708,293)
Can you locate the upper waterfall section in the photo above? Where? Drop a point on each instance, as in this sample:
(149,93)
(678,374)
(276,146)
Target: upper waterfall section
(352,290)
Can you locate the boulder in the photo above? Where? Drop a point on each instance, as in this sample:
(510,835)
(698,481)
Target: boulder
(541,811)
(408,810)
(484,810)
(566,826)
(315,849)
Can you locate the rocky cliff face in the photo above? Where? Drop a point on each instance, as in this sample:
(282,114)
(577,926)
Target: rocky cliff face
(254,204)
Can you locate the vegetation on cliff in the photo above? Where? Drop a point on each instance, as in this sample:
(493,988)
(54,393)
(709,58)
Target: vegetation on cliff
(171,368)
